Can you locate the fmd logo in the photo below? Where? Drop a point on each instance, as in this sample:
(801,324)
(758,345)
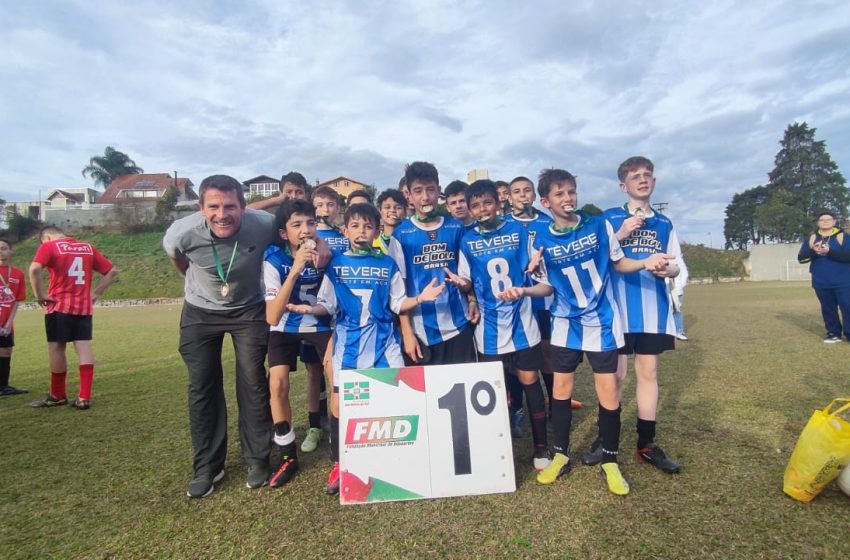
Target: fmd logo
(388,429)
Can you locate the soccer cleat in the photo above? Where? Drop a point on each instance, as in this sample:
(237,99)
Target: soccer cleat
(311,440)
(285,472)
(203,485)
(81,404)
(610,472)
(542,458)
(681,336)
(594,455)
(560,466)
(516,423)
(258,476)
(576,405)
(333,481)
(9,390)
(49,401)
(653,455)
(832,339)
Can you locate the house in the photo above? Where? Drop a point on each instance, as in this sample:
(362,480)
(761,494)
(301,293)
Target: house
(263,185)
(342,185)
(146,188)
(62,198)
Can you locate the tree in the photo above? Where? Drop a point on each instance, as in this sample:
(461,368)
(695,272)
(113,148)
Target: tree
(739,227)
(165,205)
(780,220)
(805,171)
(104,169)
(17,225)
(803,181)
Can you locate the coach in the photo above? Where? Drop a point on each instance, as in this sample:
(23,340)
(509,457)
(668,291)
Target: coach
(219,250)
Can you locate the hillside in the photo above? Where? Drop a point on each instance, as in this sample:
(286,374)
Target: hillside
(704,262)
(144,269)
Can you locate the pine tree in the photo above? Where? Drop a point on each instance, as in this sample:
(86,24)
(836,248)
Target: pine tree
(806,172)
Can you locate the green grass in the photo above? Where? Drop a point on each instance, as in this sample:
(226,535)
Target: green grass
(144,271)
(110,482)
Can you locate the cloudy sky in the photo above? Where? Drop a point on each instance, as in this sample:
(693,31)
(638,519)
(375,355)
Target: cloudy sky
(359,89)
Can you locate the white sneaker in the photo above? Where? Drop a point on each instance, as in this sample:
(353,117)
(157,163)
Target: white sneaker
(681,336)
(832,339)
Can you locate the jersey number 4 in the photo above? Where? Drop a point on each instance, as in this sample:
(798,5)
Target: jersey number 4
(77,271)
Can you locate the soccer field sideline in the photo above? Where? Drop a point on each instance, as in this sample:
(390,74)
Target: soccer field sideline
(110,481)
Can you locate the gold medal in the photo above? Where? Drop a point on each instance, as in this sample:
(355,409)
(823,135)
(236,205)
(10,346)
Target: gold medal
(225,289)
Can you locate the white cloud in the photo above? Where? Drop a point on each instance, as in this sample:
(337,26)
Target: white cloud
(333,88)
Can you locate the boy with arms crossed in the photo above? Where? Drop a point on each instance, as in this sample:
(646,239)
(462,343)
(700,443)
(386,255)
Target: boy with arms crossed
(493,259)
(424,247)
(68,306)
(14,289)
(642,298)
(290,277)
(577,254)
(362,289)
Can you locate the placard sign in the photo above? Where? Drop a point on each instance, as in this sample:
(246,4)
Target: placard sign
(424,432)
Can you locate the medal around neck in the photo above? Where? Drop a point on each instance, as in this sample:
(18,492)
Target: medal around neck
(225,289)
(222,275)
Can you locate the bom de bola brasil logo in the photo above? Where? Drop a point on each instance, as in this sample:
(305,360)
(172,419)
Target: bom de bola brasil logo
(382,431)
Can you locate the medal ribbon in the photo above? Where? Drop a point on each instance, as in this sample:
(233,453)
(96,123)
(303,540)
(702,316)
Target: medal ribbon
(8,275)
(221,274)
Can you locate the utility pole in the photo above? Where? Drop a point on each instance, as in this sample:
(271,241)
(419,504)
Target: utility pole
(661,206)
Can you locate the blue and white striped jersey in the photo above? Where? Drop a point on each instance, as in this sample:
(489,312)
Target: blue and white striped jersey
(363,292)
(336,241)
(421,251)
(642,297)
(539,222)
(495,261)
(277,264)
(577,264)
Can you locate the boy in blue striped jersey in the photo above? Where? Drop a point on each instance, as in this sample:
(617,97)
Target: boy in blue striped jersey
(493,258)
(290,277)
(425,248)
(578,254)
(326,201)
(644,306)
(362,288)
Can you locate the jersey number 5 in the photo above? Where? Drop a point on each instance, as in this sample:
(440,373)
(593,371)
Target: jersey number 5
(77,271)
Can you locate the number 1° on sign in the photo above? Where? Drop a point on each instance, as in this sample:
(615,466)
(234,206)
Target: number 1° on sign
(455,403)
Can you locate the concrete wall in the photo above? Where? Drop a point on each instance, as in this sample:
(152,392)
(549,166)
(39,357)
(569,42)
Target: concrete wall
(98,216)
(776,262)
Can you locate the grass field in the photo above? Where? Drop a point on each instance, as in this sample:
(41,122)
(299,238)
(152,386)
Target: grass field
(110,482)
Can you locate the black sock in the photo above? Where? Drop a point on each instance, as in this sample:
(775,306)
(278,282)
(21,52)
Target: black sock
(609,433)
(313,419)
(562,417)
(514,392)
(549,381)
(646,432)
(288,449)
(537,411)
(5,366)
(334,437)
(323,398)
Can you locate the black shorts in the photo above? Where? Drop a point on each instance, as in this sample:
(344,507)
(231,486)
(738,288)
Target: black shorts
(544,323)
(566,360)
(647,343)
(309,354)
(284,347)
(457,350)
(7,341)
(529,359)
(62,327)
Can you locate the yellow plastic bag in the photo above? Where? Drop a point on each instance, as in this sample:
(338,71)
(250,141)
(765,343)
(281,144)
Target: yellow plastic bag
(821,452)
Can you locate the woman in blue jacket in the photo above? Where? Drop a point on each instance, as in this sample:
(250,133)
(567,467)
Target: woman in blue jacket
(828,252)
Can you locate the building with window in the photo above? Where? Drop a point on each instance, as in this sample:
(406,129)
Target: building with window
(144,188)
(262,185)
(343,185)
